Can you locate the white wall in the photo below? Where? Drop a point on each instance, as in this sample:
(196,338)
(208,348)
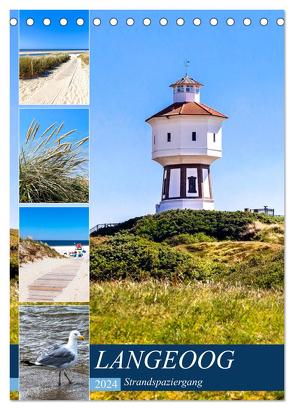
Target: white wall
(196,204)
(205,186)
(181,144)
(175,183)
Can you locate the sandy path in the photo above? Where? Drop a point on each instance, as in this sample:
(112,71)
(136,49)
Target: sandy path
(67,84)
(52,280)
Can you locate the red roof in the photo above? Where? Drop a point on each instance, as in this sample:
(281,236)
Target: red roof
(187,108)
(186,81)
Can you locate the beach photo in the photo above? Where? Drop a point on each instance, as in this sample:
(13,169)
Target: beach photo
(54,254)
(54,57)
(54,156)
(187,198)
(54,352)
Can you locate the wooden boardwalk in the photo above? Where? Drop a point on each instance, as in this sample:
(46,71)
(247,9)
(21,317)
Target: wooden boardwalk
(50,286)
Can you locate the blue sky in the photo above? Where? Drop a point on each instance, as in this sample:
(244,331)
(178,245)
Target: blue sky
(73,119)
(242,69)
(54,223)
(38,36)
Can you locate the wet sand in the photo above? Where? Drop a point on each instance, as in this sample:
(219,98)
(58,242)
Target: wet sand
(42,384)
(66,84)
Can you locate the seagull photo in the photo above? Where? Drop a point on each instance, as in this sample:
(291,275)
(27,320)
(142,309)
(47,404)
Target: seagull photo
(60,357)
(54,352)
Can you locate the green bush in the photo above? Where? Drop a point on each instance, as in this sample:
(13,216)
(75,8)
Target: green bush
(258,271)
(218,224)
(126,256)
(187,239)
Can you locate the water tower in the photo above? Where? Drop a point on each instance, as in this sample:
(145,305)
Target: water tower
(186,139)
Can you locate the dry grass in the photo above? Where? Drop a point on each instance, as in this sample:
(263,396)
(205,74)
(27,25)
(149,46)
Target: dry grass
(84,57)
(35,66)
(188,395)
(30,251)
(53,166)
(230,252)
(13,311)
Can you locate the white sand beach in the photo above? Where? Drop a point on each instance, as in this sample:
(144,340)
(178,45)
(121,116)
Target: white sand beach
(67,84)
(55,279)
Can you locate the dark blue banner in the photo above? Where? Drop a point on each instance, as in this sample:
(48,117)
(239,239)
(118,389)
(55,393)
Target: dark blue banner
(186,367)
(14,361)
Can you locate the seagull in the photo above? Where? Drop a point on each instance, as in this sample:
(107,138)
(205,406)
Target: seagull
(60,356)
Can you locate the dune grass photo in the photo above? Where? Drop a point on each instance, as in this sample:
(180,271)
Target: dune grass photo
(35,66)
(53,165)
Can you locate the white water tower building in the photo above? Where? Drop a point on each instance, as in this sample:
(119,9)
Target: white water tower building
(186,139)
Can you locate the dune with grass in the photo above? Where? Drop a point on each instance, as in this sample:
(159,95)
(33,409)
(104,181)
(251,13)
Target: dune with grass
(54,79)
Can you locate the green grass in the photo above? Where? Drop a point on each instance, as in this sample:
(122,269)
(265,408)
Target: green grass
(159,312)
(35,66)
(53,166)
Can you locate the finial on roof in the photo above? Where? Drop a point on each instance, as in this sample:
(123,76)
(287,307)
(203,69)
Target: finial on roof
(186,64)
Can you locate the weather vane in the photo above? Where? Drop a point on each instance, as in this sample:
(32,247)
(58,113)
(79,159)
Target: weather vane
(186,64)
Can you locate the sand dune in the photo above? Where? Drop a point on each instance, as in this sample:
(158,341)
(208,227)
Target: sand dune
(67,84)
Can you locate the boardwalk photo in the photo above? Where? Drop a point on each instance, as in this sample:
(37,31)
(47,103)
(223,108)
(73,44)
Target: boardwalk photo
(53,255)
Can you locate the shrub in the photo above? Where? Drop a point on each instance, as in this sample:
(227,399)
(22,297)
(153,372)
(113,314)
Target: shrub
(187,239)
(265,271)
(218,224)
(126,256)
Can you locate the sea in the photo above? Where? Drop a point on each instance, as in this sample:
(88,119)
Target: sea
(51,242)
(24,52)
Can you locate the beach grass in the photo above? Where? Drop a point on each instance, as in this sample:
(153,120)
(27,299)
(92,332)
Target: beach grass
(84,57)
(188,395)
(35,66)
(53,166)
(13,311)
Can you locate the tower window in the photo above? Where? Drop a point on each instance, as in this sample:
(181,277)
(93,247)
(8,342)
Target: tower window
(192,185)
(168,137)
(214,137)
(194,136)
(154,140)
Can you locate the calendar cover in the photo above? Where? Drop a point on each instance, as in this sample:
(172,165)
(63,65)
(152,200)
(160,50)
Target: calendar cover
(147,205)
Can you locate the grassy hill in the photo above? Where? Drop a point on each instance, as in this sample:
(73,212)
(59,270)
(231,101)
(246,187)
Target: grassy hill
(189,277)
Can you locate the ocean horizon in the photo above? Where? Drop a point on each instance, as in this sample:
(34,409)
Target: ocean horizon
(62,242)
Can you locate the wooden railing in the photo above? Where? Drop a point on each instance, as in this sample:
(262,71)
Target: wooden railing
(101,226)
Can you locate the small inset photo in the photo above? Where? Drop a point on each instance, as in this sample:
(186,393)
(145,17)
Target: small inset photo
(54,156)
(54,352)
(54,254)
(54,57)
